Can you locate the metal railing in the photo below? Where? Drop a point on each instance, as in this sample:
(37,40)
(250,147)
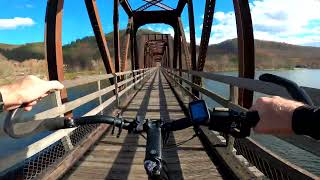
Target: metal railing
(38,157)
(250,153)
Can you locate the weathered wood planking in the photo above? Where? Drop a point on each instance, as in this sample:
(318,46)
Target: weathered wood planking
(122,158)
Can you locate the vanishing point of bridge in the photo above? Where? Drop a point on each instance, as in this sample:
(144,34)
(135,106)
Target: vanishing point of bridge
(158,83)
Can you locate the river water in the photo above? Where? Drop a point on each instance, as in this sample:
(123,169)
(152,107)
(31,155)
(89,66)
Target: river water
(303,77)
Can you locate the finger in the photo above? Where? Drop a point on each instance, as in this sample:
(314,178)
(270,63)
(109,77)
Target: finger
(44,95)
(55,85)
(27,108)
(31,103)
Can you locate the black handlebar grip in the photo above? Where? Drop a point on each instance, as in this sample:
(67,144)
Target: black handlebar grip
(252,118)
(177,125)
(296,92)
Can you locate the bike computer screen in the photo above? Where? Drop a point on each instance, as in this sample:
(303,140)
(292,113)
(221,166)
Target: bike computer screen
(198,111)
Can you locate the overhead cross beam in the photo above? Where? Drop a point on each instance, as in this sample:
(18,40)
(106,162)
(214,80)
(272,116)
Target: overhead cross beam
(160,5)
(126,6)
(148,4)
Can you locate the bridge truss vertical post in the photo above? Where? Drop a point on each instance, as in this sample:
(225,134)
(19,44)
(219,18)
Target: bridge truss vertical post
(180,58)
(192,44)
(175,47)
(53,42)
(245,48)
(168,51)
(99,34)
(116,45)
(184,44)
(124,62)
(135,49)
(132,48)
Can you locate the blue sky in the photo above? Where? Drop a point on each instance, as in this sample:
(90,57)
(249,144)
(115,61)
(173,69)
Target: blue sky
(22,21)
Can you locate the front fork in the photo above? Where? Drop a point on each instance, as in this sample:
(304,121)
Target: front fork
(153,157)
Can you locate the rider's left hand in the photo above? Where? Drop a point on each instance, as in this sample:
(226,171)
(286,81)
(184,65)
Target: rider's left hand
(27,91)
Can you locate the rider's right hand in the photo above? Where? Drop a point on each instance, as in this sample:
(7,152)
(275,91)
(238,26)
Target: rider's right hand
(275,115)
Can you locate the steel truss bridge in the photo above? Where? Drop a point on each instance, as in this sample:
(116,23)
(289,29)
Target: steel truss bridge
(156,84)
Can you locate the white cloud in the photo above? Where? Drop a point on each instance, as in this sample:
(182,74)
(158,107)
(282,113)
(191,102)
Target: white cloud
(161,29)
(29,5)
(15,22)
(290,21)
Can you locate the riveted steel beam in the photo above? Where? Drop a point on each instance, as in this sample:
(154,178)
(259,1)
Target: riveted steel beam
(99,34)
(141,18)
(192,36)
(126,6)
(124,62)
(175,47)
(180,6)
(245,48)
(148,4)
(160,5)
(206,31)
(53,42)
(184,45)
(116,38)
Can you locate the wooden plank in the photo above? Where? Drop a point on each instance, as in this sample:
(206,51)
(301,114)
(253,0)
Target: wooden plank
(122,157)
(38,146)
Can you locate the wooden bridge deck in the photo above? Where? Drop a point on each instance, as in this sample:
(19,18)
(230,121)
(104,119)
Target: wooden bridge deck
(122,158)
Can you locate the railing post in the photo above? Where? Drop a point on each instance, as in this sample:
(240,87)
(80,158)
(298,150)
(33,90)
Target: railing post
(100,98)
(66,141)
(67,144)
(115,79)
(233,97)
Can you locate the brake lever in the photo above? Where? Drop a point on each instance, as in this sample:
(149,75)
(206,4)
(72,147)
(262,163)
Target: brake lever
(295,91)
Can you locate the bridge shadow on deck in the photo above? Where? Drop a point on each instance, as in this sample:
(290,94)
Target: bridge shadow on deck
(169,155)
(116,172)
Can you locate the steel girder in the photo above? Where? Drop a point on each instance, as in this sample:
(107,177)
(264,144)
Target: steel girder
(116,38)
(160,5)
(126,6)
(245,48)
(206,31)
(99,34)
(124,62)
(53,42)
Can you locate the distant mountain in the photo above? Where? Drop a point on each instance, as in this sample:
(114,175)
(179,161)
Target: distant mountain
(220,57)
(268,55)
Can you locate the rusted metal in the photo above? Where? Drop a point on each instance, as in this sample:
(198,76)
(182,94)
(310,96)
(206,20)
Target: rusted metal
(193,45)
(148,5)
(192,35)
(206,31)
(160,5)
(124,59)
(116,38)
(126,6)
(180,6)
(99,34)
(53,42)
(141,18)
(136,52)
(175,47)
(245,48)
(184,44)
(132,48)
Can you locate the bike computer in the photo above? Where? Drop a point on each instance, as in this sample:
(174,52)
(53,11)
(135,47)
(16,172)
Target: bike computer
(198,111)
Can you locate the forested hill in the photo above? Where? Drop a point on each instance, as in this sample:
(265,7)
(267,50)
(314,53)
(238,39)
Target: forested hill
(220,57)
